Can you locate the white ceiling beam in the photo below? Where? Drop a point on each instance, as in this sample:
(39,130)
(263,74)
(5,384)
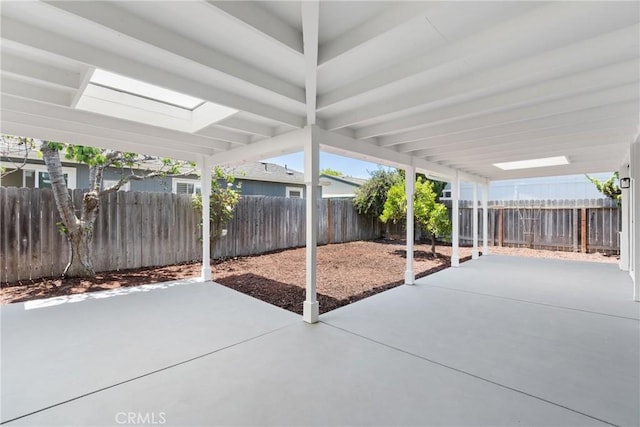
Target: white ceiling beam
(245,126)
(213,131)
(602,36)
(257,18)
(87,128)
(622,111)
(37,71)
(392,17)
(286,143)
(560,91)
(343,145)
(36,130)
(556,135)
(603,129)
(561,107)
(466,89)
(127,24)
(579,167)
(604,137)
(84,81)
(26,89)
(532,153)
(310,27)
(47,41)
(134,129)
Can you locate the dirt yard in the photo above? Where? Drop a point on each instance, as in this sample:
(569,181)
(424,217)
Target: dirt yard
(347,272)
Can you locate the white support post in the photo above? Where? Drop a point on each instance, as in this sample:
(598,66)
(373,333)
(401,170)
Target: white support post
(485,219)
(634,252)
(475,253)
(205,185)
(310,309)
(410,185)
(455,221)
(624,223)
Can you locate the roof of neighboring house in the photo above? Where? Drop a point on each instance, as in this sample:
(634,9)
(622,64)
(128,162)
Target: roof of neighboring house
(346,179)
(262,171)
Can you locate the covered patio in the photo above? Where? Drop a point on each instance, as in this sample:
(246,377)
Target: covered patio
(491,350)
(460,91)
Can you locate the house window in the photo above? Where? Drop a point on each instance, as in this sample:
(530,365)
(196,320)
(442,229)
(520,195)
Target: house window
(36,176)
(295,192)
(106,183)
(186,186)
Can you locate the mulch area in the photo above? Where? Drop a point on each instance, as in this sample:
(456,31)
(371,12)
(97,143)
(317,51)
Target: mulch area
(347,272)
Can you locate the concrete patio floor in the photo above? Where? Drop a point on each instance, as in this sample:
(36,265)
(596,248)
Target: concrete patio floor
(497,341)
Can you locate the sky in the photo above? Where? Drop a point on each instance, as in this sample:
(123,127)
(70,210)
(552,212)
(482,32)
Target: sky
(345,165)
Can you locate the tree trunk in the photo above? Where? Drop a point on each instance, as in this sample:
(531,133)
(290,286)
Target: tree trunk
(433,245)
(79,230)
(80,264)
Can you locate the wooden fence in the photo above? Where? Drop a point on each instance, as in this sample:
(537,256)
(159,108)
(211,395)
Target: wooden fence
(262,224)
(564,225)
(152,229)
(132,230)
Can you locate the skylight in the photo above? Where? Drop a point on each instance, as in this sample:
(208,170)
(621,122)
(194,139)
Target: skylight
(533,163)
(133,100)
(145,90)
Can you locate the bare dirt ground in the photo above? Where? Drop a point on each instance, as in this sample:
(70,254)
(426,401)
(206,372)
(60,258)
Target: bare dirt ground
(347,272)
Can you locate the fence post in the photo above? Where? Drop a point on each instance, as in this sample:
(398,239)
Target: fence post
(501,227)
(328,220)
(575,230)
(583,231)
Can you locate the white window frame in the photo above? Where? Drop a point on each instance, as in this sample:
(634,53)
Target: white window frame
(288,191)
(72,182)
(197,185)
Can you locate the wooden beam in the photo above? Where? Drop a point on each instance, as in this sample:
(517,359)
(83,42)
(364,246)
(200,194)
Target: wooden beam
(560,110)
(384,22)
(310,28)
(139,30)
(553,47)
(47,41)
(286,143)
(257,18)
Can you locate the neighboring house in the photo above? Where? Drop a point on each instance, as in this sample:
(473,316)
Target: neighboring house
(568,187)
(266,179)
(340,186)
(254,179)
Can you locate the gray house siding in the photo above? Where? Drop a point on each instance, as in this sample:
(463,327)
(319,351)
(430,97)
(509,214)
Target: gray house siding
(261,188)
(338,188)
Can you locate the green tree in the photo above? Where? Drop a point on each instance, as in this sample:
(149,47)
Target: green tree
(371,196)
(330,172)
(430,215)
(79,227)
(609,188)
(223,201)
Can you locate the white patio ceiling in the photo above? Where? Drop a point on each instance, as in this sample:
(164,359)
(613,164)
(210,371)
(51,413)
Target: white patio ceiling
(445,85)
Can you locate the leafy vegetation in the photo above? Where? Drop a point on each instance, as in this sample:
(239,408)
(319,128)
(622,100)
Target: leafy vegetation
(330,172)
(223,200)
(609,188)
(430,215)
(372,195)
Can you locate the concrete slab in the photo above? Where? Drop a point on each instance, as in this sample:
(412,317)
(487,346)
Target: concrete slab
(309,375)
(590,286)
(580,360)
(52,352)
